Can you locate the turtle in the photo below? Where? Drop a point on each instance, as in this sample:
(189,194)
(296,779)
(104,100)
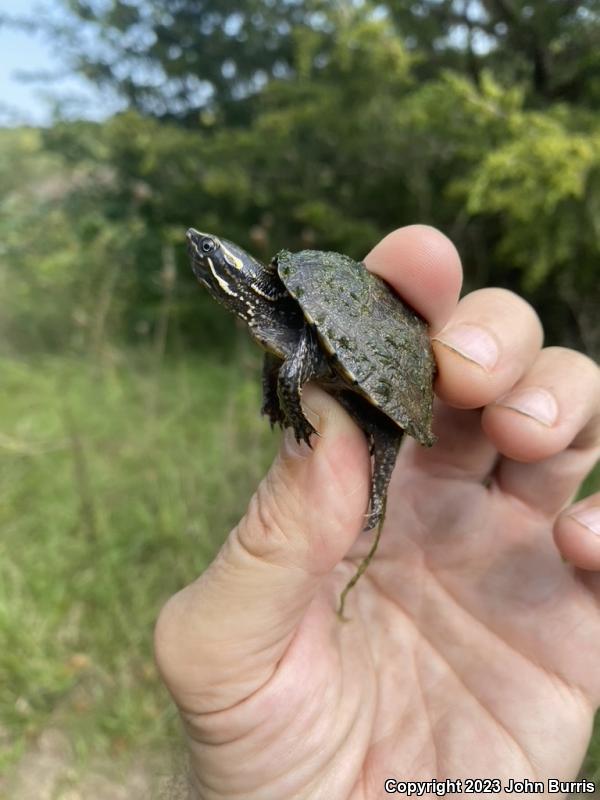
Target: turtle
(321,316)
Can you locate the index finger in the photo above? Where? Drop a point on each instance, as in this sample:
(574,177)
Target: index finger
(423,267)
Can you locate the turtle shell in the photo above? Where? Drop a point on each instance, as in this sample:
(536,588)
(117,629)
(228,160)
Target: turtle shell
(379,345)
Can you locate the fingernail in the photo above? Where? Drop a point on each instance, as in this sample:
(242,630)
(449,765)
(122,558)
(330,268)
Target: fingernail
(473,343)
(539,404)
(589,518)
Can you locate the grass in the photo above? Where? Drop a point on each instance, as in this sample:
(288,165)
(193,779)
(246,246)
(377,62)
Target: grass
(117,483)
(116,486)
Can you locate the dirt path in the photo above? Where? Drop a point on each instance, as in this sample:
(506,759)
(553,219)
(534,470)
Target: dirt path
(49,771)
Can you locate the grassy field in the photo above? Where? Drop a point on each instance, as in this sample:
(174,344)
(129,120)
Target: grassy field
(117,483)
(116,486)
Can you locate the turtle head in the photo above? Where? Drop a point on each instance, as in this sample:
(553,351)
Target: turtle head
(231,275)
(218,264)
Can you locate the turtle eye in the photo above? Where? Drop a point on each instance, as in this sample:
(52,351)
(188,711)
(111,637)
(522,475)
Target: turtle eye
(208,245)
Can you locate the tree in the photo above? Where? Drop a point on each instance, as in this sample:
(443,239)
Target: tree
(187,60)
(550,46)
(176,59)
(363,131)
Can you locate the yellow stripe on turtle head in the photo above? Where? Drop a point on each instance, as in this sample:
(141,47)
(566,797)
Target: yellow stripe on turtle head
(232,259)
(222,283)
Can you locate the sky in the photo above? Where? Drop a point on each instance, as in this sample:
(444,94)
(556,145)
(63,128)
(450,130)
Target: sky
(27,103)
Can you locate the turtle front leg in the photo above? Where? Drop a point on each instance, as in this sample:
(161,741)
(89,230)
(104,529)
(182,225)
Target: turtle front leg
(270,405)
(305,363)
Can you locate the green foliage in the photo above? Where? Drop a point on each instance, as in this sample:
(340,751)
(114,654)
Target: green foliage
(173,59)
(541,183)
(59,254)
(207,59)
(356,127)
(90,242)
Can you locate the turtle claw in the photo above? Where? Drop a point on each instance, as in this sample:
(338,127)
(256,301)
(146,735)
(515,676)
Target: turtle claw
(272,421)
(303,431)
(272,412)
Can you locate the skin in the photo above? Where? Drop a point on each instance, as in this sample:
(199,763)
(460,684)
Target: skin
(473,646)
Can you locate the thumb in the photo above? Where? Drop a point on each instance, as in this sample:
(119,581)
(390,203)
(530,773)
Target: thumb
(219,639)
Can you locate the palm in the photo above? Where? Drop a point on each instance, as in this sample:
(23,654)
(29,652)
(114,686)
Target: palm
(471,650)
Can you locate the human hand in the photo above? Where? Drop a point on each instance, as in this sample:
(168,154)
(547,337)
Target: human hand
(473,647)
